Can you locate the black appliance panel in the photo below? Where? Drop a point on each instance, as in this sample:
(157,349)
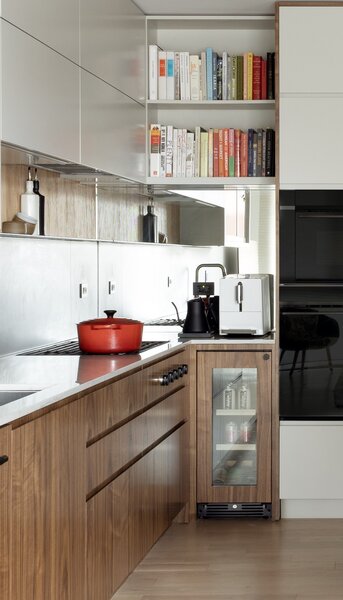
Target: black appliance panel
(311,362)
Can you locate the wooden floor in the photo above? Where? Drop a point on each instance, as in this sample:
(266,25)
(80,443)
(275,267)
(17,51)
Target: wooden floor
(242,560)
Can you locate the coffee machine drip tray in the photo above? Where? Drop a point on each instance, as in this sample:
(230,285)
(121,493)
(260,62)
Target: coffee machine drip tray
(203,335)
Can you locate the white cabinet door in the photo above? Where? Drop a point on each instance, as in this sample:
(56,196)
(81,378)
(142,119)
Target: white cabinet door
(53,23)
(311,133)
(113,44)
(40,96)
(310,461)
(112,129)
(311,49)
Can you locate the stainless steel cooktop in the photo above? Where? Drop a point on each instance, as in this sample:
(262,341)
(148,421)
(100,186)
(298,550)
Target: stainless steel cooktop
(72,347)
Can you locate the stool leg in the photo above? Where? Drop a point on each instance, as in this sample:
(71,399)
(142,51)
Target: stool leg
(303,354)
(328,353)
(294,361)
(281,355)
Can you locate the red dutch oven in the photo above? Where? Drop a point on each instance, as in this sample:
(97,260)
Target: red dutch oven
(110,336)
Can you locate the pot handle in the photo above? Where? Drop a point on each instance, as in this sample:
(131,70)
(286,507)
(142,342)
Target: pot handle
(109,313)
(109,326)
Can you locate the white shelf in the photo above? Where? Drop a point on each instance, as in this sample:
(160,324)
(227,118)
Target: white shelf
(235,412)
(222,182)
(247,447)
(214,103)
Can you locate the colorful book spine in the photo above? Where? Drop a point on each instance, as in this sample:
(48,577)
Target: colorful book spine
(250,74)
(270,75)
(170,76)
(214,76)
(264,152)
(259,153)
(162,75)
(239,92)
(244,154)
(245,76)
(263,79)
(254,154)
(221,153)
(224,76)
(153,72)
(233,77)
(226,152)
(209,66)
(229,77)
(256,78)
(216,153)
(231,152)
(169,151)
(270,153)
(155,150)
(220,79)
(237,150)
(250,152)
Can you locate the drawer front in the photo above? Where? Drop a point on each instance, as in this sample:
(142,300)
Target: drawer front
(5,483)
(112,404)
(111,453)
(153,375)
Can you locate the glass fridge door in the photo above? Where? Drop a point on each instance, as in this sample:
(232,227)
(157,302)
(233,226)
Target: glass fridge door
(234,426)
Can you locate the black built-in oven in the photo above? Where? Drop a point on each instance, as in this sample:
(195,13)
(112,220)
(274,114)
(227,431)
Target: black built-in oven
(311,236)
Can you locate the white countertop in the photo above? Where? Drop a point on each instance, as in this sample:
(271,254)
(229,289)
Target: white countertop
(54,378)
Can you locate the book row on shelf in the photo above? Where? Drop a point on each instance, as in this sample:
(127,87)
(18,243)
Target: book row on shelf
(210,76)
(223,152)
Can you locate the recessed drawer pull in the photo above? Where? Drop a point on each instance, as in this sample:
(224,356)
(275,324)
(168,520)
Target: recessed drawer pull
(3,459)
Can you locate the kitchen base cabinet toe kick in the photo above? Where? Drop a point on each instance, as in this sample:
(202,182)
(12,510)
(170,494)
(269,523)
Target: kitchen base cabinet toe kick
(93,484)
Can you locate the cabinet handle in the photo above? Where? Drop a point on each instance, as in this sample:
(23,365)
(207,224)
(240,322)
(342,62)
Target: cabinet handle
(176,374)
(171,376)
(180,371)
(164,380)
(3,459)
(266,357)
(185,369)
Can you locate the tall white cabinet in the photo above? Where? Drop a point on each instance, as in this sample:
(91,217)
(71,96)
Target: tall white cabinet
(311,96)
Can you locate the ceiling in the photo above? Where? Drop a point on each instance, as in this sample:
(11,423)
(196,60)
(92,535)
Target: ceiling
(207,7)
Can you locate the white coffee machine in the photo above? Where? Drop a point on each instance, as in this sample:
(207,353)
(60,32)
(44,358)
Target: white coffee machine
(245,304)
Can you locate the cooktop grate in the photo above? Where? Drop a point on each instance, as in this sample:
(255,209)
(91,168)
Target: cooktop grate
(72,347)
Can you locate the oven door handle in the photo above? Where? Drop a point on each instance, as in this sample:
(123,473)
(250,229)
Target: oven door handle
(310,314)
(319,215)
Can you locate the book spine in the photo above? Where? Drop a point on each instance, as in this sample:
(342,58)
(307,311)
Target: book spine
(239,93)
(250,152)
(221,153)
(226,152)
(216,153)
(209,73)
(259,153)
(270,153)
(229,77)
(155,150)
(254,154)
(270,75)
(237,152)
(204,154)
(194,77)
(183,152)
(197,152)
(263,153)
(233,77)
(177,75)
(170,76)
(153,66)
(210,152)
(250,72)
(203,76)
(182,77)
(244,154)
(163,150)
(224,76)
(187,77)
(162,75)
(169,151)
(214,75)
(179,153)
(220,79)
(245,76)
(190,155)
(263,79)
(175,152)
(231,152)
(256,78)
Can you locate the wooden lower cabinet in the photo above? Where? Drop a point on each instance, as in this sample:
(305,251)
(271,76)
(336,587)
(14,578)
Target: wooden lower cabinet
(48,509)
(5,502)
(108,539)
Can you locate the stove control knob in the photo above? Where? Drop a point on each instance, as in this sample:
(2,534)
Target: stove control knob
(164,380)
(176,374)
(180,371)
(185,369)
(171,376)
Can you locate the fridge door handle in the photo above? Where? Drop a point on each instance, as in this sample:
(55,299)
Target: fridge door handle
(240,295)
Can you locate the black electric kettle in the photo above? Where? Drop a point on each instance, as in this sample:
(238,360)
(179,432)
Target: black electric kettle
(196,320)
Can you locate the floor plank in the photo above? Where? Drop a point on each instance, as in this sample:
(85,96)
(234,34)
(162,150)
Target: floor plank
(242,560)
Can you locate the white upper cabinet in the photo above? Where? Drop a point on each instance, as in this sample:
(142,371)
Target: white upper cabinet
(311,49)
(113,44)
(40,96)
(53,23)
(112,129)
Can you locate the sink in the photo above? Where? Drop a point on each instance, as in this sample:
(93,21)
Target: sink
(11,393)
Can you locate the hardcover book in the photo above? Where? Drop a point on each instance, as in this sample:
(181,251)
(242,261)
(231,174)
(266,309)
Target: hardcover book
(220,79)
(155,150)
(216,153)
(237,152)
(239,92)
(209,66)
(162,75)
(153,72)
(194,76)
(231,152)
(256,78)
(204,154)
(177,75)
(221,153)
(210,152)
(170,76)
(244,154)
(226,152)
